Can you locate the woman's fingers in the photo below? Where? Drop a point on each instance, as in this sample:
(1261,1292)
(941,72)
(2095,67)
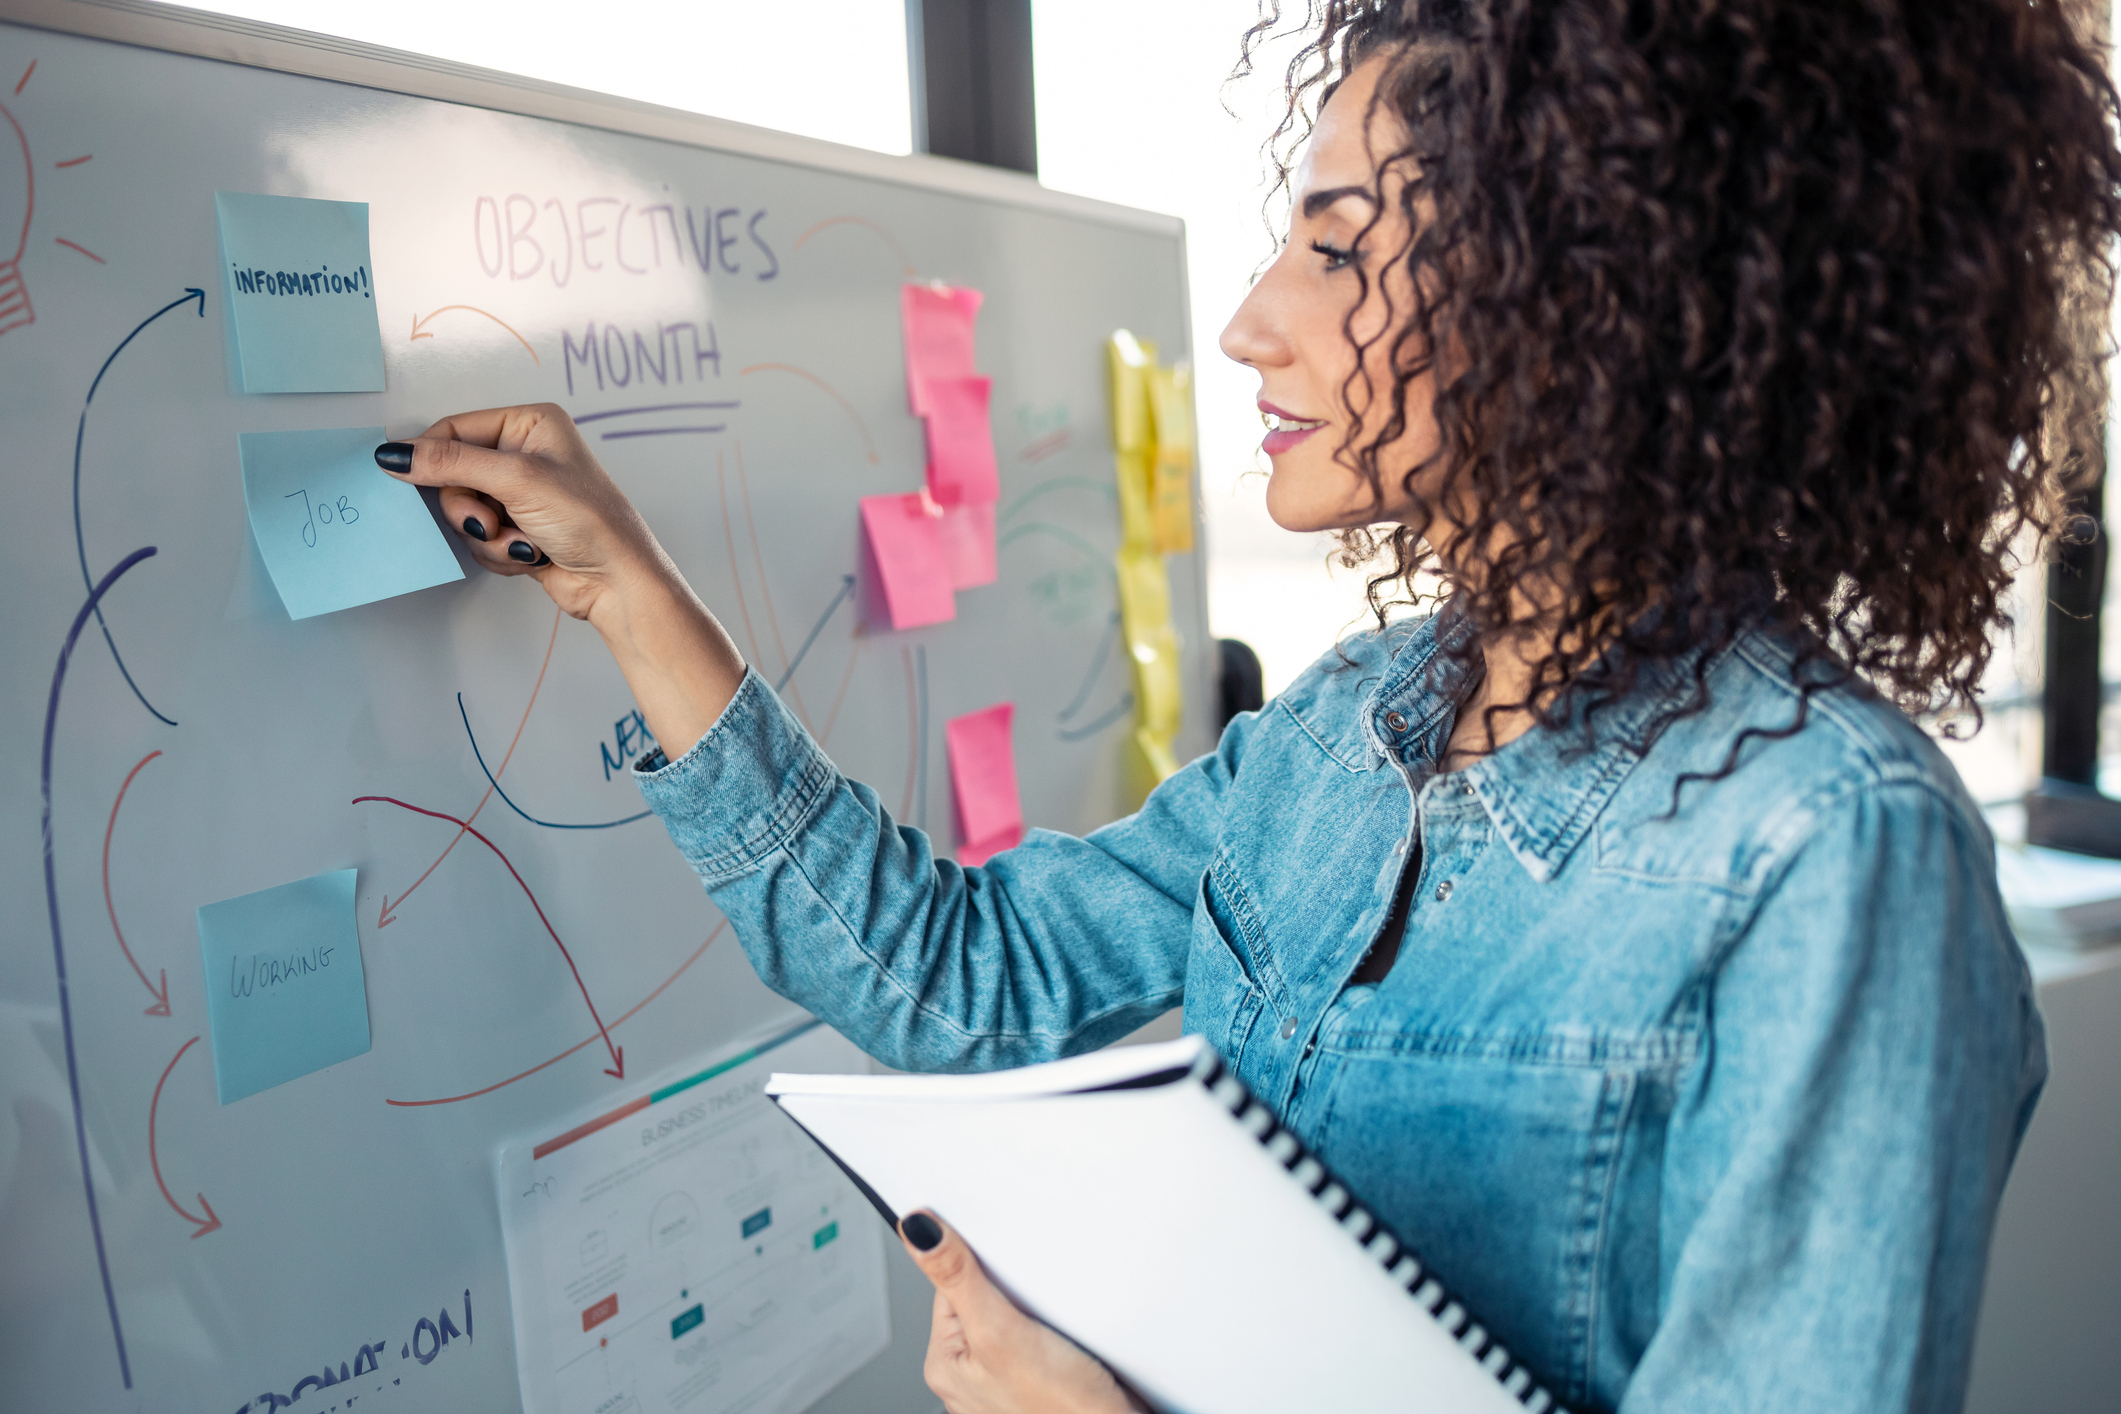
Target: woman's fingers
(944,1328)
(556,503)
(485,428)
(466,469)
(946,1339)
(957,1273)
(439,461)
(525,427)
(487,528)
(473,516)
(985,1356)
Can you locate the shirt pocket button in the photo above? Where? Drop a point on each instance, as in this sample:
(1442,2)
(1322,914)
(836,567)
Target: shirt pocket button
(1443,891)
(1288,1027)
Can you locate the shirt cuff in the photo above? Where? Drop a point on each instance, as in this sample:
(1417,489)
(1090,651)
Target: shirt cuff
(744,790)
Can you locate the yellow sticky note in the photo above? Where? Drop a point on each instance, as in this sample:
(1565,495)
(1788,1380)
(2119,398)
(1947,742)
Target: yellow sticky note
(1153,458)
(1135,469)
(1127,360)
(1151,641)
(1171,478)
(1149,763)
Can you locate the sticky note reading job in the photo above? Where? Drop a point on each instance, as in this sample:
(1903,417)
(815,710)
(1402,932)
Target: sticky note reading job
(335,529)
(983,779)
(284,990)
(301,299)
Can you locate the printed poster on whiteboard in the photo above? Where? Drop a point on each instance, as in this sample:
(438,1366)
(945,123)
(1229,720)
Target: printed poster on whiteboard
(688,1250)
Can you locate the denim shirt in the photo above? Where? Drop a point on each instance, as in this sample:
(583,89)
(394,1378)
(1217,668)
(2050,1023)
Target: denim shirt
(1706,1109)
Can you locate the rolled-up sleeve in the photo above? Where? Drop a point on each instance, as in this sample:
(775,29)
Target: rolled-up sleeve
(1056,946)
(1832,1171)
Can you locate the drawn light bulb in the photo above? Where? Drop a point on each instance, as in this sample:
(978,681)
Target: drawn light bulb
(18,199)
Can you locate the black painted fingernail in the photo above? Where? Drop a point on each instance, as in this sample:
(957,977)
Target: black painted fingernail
(473,528)
(922,1231)
(395,457)
(522,551)
(542,560)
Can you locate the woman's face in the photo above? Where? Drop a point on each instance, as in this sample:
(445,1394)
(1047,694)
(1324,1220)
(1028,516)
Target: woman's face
(1293,328)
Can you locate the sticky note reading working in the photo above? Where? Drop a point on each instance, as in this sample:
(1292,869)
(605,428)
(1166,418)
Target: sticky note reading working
(284,991)
(961,468)
(301,298)
(905,542)
(333,528)
(983,780)
(937,323)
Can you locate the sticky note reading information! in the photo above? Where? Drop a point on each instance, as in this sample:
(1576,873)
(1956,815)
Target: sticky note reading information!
(335,529)
(905,540)
(938,332)
(284,991)
(301,298)
(983,779)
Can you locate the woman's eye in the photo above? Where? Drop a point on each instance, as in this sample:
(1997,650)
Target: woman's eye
(1336,257)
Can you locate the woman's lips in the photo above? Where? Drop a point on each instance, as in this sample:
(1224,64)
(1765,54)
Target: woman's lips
(1283,438)
(1284,429)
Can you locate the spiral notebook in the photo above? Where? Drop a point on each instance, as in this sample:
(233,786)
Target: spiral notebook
(1140,1201)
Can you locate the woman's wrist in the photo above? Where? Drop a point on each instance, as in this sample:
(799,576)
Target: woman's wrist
(683,668)
(635,590)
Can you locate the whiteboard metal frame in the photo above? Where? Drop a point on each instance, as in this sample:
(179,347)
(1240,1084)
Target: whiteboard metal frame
(232,40)
(229,39)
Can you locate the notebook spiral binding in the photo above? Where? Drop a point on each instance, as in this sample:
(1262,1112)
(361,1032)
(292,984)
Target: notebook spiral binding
(1398,1260)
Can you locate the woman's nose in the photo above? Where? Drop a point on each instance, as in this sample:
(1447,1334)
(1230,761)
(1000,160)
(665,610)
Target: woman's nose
(1253,336)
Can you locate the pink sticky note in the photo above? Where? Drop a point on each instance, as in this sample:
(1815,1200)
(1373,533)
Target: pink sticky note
(968,544)
(938,332)
(961,468)
(983,778)
(905,540)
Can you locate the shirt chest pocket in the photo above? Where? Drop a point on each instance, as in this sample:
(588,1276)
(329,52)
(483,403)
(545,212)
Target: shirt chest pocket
(1227,977)
(1521,1168)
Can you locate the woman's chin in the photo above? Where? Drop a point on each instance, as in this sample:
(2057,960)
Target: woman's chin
(1289,507)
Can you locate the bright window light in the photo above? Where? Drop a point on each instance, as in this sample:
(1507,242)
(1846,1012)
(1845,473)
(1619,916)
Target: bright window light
(839,75)
(1133,108)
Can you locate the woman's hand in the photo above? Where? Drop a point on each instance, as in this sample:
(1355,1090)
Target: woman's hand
(987,1357)
(521,487)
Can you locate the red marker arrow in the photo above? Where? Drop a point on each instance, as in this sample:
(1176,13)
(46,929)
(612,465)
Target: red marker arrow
(418,324)
(388,913)
(209,1222)
(618,1053)
(160,992)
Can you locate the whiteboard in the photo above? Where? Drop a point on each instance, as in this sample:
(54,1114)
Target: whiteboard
(209,746)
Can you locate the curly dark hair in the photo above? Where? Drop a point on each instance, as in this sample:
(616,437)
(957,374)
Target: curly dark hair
(1777,313)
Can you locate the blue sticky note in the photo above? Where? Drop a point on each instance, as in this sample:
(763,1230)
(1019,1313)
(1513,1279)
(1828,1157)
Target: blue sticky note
(333,528)
(284,991)
(301,294)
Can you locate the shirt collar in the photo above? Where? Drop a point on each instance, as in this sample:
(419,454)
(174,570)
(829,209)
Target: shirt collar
(1545,790)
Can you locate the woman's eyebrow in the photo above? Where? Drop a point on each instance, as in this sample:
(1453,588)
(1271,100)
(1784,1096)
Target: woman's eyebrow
(1318,201)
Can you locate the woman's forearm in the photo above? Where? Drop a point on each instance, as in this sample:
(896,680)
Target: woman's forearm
(681,664)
